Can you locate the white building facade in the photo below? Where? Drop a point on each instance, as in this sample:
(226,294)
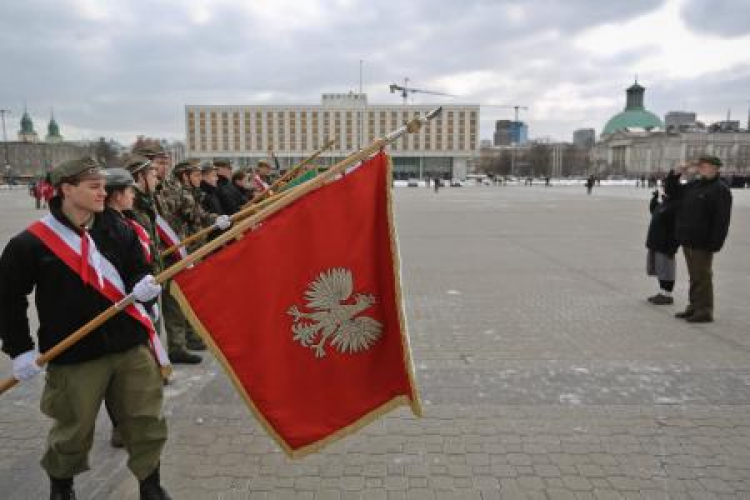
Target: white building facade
(245,133)
(642,152)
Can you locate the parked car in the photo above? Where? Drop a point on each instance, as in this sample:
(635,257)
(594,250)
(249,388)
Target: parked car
(412,183)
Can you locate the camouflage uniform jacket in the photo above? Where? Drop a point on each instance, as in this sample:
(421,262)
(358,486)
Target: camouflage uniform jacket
(184,212)
(144,213)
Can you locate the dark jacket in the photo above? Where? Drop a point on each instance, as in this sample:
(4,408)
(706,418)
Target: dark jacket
(704,214)
(63,302)
(661,231)
(210,199)
(230,196)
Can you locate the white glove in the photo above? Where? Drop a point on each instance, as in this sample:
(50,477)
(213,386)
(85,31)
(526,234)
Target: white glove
(146,289)
(223,222)
(25,367)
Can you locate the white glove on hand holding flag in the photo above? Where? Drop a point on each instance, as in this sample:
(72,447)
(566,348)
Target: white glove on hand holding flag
(146,289)
(223,222)
(25,367)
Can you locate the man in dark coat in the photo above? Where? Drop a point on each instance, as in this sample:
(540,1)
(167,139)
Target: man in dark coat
(701,229)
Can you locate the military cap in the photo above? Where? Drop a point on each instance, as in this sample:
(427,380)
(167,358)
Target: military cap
(76,170)
(118,177)
(207,167)
(188,165)
(150,150)
(223,162)
(711,160)
(135,163)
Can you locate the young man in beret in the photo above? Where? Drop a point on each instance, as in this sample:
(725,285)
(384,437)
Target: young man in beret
(79,264)
(701,229)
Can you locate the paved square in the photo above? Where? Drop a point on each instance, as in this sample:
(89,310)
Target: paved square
(544,372)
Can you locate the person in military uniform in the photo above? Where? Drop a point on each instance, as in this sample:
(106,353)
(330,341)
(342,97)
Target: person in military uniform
(261,179)
(230,197)
(209,191)
(241,187)
(144,207)
(187,217)
(78,250)
(148,204)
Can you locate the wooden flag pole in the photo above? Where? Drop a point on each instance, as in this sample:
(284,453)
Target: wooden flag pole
(281,181)
(248,210)
(252,206)
(248,223)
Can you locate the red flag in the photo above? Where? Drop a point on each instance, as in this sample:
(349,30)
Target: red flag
(305,312)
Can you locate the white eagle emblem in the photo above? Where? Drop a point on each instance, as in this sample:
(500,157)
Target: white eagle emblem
(335,315)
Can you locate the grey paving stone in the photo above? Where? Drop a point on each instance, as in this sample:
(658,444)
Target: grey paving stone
(544,372)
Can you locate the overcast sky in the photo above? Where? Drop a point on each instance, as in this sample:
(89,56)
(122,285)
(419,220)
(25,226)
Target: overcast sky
(120,69)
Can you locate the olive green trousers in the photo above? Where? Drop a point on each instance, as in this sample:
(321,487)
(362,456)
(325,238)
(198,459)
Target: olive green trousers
(131,384)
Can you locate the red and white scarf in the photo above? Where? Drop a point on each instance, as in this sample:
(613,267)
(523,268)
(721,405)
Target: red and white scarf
(169,236)
(259,184)
(82,256)
(143,238)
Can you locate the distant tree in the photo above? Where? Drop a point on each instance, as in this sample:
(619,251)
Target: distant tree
(106,151)
(540,159)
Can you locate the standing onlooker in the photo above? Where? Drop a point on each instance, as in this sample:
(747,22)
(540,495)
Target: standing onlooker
(661,242)
(35,190)
(590,184)
(701,228)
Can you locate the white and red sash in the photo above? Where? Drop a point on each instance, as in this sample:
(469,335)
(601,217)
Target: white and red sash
(259,183)
(143,238)
(82,256)
(168,236)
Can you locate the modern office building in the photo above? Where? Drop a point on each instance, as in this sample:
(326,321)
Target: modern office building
(584,137)
(510,132)
(245,133)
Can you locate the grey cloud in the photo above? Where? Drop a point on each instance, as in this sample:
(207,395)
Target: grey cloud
(726,18)
(137,68)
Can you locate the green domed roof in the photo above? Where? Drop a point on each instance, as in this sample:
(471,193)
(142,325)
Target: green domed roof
(635,114)
(27,126)
(53,129)
(632,119)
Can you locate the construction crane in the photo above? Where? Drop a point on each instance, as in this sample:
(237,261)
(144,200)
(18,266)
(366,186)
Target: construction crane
(405,90)
(516,108)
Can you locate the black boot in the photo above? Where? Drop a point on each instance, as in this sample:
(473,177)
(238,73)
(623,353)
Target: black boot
(151,488)
(61,489)
(183,357)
